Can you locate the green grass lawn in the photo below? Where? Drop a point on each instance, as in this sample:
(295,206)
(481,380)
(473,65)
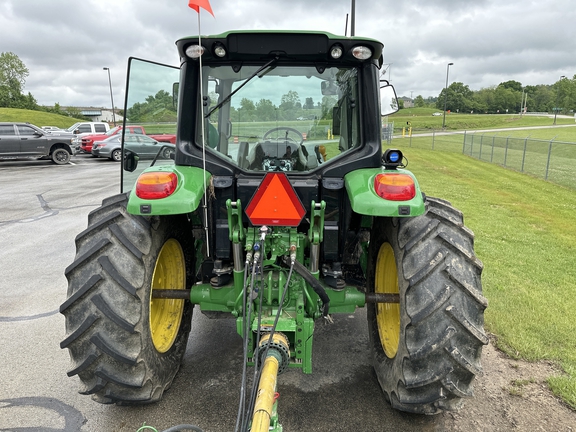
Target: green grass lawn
(525,236)
(540,155)
(422,120)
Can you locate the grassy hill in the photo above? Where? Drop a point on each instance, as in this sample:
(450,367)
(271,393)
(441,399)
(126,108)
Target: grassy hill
(37,118)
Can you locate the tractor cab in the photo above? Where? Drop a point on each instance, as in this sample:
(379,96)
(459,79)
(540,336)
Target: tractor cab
(306,105)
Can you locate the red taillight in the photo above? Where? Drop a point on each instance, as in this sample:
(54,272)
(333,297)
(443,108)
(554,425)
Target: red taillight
(395,187)
(156,185)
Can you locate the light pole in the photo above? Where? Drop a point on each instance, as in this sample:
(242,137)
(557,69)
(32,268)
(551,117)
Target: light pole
(556,108)
(111,97)
(446,95)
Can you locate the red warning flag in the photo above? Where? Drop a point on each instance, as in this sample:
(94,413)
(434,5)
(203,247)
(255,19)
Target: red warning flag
(204,4)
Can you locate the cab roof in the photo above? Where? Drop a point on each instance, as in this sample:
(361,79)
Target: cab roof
(254,45)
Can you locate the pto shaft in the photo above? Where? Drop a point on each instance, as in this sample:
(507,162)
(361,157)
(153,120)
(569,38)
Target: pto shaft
(265,398)
(274,353)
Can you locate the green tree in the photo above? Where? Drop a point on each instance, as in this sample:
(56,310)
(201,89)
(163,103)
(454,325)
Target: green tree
(512,85)
(505,100)
(569,100)
(419,102)
(459,98)
(484,99)
(265,110)
(540,98)
(13,74)
(290,104)
(565,90)
(309,104)
(247,110)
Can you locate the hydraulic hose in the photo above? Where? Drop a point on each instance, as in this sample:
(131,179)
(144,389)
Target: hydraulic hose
(314,283)
(247,310)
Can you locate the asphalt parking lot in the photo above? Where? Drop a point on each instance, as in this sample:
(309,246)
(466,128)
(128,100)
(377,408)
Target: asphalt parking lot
(43,207)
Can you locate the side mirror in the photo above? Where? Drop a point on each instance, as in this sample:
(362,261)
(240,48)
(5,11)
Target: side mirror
(388,100)
(130,160)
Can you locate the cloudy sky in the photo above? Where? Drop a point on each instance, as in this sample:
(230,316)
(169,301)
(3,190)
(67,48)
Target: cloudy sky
(66,43)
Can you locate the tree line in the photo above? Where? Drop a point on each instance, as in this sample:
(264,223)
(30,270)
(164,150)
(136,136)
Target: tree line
(508,96)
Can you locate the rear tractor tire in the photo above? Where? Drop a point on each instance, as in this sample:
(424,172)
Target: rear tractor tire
(125,346)
(426,349)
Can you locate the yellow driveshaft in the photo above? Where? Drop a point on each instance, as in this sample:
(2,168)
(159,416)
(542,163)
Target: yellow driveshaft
(277,358)
(265,397)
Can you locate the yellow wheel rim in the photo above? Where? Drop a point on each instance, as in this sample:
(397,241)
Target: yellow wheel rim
(166,314)
(387,314)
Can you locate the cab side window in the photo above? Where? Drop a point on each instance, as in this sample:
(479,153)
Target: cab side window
(7,130)
(26,131)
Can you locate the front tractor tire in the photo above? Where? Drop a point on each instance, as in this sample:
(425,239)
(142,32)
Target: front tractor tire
(125,346)
(426,349)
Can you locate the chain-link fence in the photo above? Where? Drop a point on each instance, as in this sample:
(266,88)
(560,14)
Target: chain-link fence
(548,159)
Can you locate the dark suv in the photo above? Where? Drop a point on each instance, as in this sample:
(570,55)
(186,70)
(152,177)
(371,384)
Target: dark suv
(19,140)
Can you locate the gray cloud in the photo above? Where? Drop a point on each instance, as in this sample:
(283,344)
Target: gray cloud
(66,43)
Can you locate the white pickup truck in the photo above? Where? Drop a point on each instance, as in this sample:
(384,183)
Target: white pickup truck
(80,129)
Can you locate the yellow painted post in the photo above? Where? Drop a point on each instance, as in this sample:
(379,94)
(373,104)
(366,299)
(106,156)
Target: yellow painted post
(403,132)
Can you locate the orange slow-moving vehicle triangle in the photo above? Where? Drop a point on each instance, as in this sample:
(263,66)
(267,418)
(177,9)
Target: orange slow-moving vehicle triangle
(275,203)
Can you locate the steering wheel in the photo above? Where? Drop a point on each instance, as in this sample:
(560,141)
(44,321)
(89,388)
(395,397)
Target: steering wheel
(287,129)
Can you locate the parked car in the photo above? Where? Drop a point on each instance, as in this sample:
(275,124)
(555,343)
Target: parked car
(89,139)
(437,114)
(142,145)
(79,129)
(19,140)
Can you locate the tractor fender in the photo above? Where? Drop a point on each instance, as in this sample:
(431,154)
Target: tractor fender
(365,201)
(185,198)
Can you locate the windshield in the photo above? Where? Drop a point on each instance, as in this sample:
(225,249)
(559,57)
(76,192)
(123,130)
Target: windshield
(112,131)
(281,119)
(73,127)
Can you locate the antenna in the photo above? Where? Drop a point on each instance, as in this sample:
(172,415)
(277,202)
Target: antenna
(346,27)
(353,19)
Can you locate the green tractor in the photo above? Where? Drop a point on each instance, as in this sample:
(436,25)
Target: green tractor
(278,208)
